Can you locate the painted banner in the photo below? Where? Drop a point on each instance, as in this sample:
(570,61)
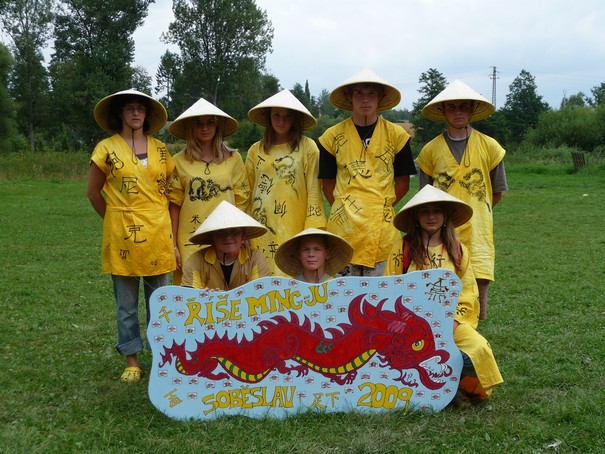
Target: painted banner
(276,346)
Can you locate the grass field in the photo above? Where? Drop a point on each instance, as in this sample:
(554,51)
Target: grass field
(58,382)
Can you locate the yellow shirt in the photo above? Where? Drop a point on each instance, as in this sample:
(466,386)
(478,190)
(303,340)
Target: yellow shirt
(286,194)
(472,185)
(203,269)
(364,194)
(467,310)
(198,188)
(137,233)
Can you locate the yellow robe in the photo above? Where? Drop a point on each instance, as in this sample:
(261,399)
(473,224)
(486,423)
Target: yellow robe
(198,188)
(203,269)
(467,314)
(286,194)
(137,232)
(472,185)
(364,194)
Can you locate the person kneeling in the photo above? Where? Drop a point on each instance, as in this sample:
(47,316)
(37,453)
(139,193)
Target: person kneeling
(429,219)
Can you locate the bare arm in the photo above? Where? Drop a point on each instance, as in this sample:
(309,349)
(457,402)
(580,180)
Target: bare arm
(496,197)
(96,181)
(175,212)
(328,188)
(402,186)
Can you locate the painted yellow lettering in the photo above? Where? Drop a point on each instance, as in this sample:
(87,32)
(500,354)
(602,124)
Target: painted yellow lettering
(209,400)
(194,309)
(255,304)
(235,315)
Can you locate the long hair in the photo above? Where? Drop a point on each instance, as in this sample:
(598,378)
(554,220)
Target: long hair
(193,151)
(451,243)
(294,135)
(115,120)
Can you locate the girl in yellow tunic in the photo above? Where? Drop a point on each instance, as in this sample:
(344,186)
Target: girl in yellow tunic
(282,172)
(207,172)
(127,187)
(429,219)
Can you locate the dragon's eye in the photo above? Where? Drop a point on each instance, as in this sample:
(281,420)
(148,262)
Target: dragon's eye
(418,345)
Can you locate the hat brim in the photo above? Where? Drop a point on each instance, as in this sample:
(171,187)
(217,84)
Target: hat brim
(458,91)
(340,99)
(434,112)
(459,211)
(156,118)
(207,237)
(227,216)
(179,128)
(259,114)
(287,257)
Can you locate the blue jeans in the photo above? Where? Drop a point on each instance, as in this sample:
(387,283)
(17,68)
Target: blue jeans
(126,291)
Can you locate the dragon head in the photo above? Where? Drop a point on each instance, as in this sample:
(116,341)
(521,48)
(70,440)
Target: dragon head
(402,339)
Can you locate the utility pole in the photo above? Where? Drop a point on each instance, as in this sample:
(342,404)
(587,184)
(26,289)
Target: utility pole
(493,76)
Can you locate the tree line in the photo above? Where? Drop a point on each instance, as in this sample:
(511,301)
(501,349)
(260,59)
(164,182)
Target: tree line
(222,48)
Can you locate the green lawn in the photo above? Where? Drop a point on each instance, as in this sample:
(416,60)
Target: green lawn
(59,389)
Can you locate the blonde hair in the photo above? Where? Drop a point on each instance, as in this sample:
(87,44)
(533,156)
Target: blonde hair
(294,135)
(193,150)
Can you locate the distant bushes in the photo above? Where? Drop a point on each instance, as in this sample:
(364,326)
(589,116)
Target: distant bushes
(582,128)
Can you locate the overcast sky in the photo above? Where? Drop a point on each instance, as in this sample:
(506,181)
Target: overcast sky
(561,43)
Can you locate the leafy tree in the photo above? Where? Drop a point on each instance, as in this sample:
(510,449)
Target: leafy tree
(223,46)
(598,94)
(7,111)
(307,92)
(523,106)
(324,106)
(579,128)
(269,85)
(28,23)
(169,69)
(432,82)
(495,126)
(94,50)
(577,100)
(140,80)
(303,96)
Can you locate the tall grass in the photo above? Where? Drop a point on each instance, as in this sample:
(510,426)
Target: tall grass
(58,384)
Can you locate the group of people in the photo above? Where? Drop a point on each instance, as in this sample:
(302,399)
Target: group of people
(211,220)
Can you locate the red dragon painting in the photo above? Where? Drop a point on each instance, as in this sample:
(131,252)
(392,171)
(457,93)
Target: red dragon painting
(399,339)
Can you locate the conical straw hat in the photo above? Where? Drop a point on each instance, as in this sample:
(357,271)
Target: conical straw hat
(227,216)
(460,212)
(391,97)
(178,128)
(286,100)
(288,260)
(155,117)
(458,91)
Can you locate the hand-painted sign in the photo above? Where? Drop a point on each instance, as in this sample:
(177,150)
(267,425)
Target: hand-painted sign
(278,346)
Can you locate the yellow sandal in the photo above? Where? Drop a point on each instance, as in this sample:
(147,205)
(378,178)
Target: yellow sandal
(131,375)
